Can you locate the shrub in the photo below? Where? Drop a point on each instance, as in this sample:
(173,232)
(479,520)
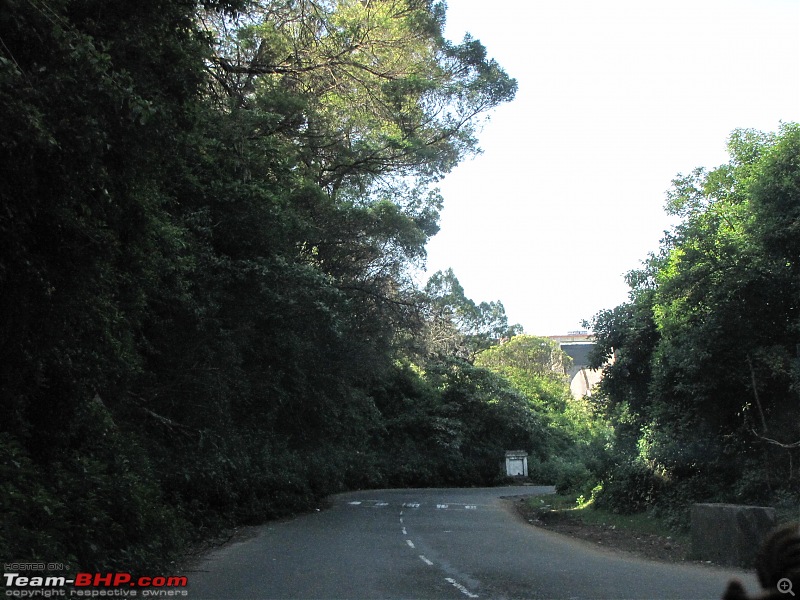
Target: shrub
(569,476)
(31,514)
(631,488)
(573,478)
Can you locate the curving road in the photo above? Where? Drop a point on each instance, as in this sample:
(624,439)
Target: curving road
(435,543)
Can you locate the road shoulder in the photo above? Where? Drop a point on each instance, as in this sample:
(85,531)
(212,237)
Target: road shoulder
(647,546)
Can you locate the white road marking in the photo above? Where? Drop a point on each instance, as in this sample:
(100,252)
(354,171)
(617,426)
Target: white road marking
(441,505)
(450,580)
(460,587)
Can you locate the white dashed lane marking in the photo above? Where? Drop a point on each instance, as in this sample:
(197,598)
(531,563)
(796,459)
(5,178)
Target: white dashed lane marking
(460,588)
(422,557)
(418,505)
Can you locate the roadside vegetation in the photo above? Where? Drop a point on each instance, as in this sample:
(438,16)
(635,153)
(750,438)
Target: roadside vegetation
(641,533)
(702,364)
(703,389)
(213,213)
(551,508)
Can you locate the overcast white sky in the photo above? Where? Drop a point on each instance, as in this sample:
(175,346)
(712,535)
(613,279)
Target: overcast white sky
(615,98)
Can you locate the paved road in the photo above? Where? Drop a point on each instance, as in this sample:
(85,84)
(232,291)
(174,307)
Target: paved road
(435,543)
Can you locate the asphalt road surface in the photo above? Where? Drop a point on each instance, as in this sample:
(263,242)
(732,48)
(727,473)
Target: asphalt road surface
(435,543)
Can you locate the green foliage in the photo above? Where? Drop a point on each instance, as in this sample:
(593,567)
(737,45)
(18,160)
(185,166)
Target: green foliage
(571,476)
(629,489)
(704,383)
(531,355)
(456,326)
(451,424)
(31,512)
(575,438)
(210,220)
(383,93)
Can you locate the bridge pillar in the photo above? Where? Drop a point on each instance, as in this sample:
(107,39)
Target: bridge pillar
(577,345)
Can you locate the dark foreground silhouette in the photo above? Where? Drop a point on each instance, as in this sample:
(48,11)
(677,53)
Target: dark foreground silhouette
(777,566)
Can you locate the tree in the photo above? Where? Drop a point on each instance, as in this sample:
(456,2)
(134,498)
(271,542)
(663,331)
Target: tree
(371,105)
(574,435)
(534,355)
(210,217)
(456,326)
(379,90)
(99,99)
(704,382)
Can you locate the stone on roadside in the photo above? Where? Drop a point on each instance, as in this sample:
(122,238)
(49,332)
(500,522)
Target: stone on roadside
(729,534)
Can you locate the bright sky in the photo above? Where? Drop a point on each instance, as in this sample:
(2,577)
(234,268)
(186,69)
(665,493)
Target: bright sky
(615,98)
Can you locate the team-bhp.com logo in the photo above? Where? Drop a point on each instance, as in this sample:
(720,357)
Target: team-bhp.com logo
(94,585)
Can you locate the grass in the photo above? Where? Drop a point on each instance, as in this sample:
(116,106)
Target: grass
(585,512)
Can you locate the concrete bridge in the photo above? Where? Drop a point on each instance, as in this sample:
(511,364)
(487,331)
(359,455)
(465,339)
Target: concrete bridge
(577,345)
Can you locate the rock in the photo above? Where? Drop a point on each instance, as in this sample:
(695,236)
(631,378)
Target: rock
(729,534)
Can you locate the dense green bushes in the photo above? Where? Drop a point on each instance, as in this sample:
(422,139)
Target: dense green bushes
(572,449)
(207,295)
(206,270)
(703,388)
